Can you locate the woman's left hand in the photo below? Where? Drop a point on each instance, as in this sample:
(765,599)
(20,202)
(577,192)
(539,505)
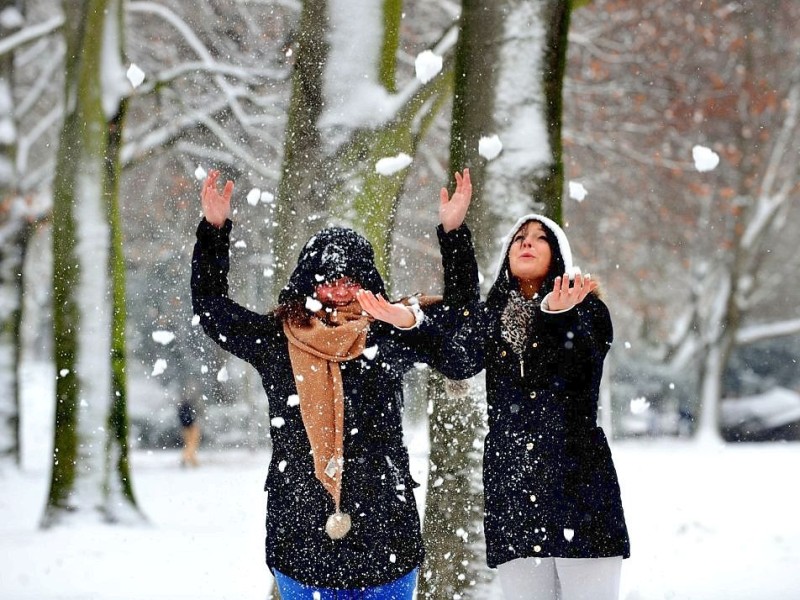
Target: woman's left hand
(379,308)
(566,296)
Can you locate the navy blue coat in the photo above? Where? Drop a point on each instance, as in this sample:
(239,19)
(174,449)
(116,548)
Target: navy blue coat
(547,470)
(377,489)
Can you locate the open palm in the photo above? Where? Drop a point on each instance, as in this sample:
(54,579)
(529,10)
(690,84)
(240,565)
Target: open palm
(453,209)
(216,206)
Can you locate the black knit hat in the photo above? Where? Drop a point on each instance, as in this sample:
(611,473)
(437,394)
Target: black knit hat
(329,255)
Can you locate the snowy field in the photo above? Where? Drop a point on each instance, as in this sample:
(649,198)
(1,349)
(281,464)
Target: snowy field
(706,523)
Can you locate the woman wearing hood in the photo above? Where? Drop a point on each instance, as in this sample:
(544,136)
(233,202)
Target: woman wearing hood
(341,514)
(553,520)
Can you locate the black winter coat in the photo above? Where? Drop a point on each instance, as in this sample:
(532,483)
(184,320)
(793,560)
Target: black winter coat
(550,486)
(377,489)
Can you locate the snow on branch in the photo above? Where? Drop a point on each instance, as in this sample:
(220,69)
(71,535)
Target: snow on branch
(767,331)
(29,34)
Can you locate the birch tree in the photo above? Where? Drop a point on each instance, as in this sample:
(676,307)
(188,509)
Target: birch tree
(90,475)
(509,66)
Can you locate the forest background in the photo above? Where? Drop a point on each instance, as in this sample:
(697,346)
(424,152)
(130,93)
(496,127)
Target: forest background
(597,107)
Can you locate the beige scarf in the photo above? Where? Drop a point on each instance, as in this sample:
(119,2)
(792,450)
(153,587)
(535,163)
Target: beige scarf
(315,352)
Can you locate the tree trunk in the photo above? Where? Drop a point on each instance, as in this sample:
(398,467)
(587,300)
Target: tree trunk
(343,118)
(510,66)
(90,476)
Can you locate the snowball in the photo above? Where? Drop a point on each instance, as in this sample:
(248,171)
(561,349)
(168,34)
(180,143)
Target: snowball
(627,345)
(369,353)
(392,558)
(277,422)
(354,431)
(705,159)
(319,278)
(489,147)
(63,372)
(222,374)
(439,481)
(639,405)
(293,400)
(200,173)
(11,18)
(163,337)
(267,197)
(240,244)
(269,272)
(204,369)
(253,196)
(577,191)
(392,164)
(282,466)
(159,367)
(427,65)
(313,305)
(195,320)
(135,75)
(569,534)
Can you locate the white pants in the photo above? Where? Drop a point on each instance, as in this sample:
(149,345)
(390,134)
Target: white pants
(561,578)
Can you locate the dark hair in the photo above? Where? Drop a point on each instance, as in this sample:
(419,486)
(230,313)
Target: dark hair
(506,282)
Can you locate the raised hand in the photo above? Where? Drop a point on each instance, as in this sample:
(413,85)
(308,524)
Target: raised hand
(379,308)
(216,206)
(452,210)
(566,296)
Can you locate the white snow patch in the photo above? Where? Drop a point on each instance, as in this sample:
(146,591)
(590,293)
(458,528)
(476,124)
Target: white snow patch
(427,65)
(163,337)
(222,374)
(282,466)
(371,352)
(277,422)
(63,372)
(200,173)
(267,197)
(293,400)
(159,367)
(240,244)
(705,159)
(569,534)
(135,75)
(204,369)
(577,191)
(392,164)
(312,304)
(639,405)
(489,147)
(195,320)
(11,18)
(253,196)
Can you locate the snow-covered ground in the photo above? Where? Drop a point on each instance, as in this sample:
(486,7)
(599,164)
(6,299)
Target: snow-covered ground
(706,523)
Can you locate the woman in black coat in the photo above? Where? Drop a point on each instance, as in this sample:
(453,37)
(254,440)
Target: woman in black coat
(341,513)
(553,520)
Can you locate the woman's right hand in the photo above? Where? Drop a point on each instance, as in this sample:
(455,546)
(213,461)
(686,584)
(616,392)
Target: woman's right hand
(452,210)
(216,206)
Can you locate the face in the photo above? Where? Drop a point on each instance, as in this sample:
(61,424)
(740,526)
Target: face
(529,255)
(337,293)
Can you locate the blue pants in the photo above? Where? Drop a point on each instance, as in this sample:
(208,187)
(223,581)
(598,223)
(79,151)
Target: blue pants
(399,589)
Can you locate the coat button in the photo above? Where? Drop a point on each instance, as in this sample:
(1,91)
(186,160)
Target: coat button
(502,353)
(466,312)
(533,394)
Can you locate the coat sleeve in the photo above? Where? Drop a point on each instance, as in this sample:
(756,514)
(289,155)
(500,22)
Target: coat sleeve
(582,337)
(445,338)
(233,327)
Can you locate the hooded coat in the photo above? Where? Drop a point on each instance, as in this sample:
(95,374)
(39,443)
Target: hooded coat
(550,486)
(384,542)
